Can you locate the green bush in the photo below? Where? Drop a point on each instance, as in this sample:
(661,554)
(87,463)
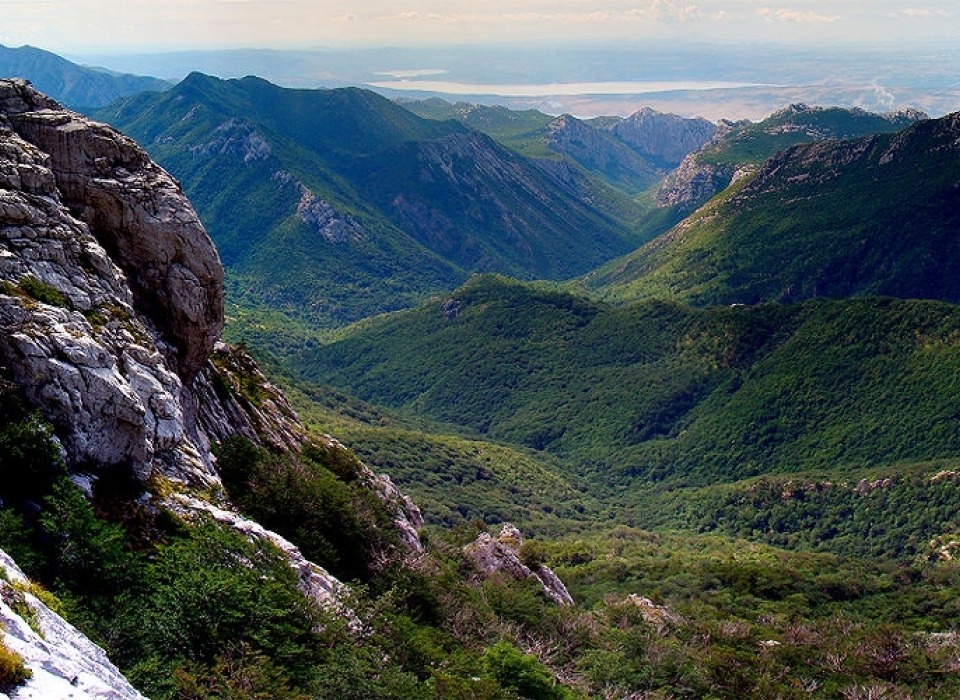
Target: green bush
(13,671)
(521,672)
(43,292)
(339,525)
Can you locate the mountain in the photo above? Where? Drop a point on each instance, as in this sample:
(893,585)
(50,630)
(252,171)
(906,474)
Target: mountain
(514,128)
(160,493)
(632,153)
(740,147)
(332,205)
(658,391)
(666,139)
(79,87)
(875,215)
(600,152)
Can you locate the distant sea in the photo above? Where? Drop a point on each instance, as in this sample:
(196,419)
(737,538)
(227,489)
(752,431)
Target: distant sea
(624,87)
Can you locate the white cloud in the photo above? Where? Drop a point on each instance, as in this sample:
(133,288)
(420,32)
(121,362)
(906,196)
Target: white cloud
(796,16)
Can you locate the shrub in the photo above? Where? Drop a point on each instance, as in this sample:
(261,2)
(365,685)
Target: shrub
(521,672)
(13,671)
(42,292)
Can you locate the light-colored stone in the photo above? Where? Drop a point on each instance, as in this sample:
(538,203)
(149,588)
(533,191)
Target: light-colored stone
(63,662)
(500,556)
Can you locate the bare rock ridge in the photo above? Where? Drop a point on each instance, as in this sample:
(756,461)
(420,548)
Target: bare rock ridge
(701,174)
(666,138)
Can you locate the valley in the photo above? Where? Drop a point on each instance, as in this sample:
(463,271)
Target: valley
(710,370)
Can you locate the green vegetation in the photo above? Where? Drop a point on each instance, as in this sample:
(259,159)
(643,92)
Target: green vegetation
(665,392)
(804,227)
(314,500)
(394,222)
(197,611)
(750,143)
(41,291)
(519,130)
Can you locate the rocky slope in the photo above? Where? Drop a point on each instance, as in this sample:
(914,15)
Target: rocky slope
(600,152)
(112,296)
(665,139)
(62,662)
(738,148)
(111,306)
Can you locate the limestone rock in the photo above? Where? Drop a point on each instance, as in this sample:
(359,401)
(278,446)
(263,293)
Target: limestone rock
(111,306)
(599,151)
(137,212)
(501,556)
(70,334)
(666,138)
(236,399)
(64,663)
(693,183)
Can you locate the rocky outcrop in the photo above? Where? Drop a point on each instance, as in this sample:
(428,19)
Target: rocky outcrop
(63,663)
(693,183)
(72,333)
(739,148)
(235,137)
(698,178)
(665,138)
(137,212)
(597,151)
(111,306)
(236,399)
(501,557)
(330,223)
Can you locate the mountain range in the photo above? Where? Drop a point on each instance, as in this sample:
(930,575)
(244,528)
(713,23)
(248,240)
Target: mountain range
(76,86)
(736,447)
(831,219)
(361,191)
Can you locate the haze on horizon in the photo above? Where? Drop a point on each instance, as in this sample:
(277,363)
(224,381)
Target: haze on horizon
(104,26)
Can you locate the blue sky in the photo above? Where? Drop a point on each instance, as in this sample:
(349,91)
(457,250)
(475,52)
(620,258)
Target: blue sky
(124,25)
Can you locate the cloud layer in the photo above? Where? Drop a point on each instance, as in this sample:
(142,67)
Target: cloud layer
(70,25)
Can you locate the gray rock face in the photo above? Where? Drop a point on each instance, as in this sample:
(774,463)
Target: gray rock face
(693,183)
(666,138)
(236,399)
(69,331)
(599,151)
(63,662)
(137,212)
(501,557)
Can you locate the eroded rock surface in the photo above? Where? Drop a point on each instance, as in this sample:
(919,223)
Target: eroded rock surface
(137,212)
(71,333)
(62,661)
(500,556)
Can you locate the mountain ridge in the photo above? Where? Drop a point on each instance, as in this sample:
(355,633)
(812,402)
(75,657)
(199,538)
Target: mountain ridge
(77,86)
(435,199)
(835,218)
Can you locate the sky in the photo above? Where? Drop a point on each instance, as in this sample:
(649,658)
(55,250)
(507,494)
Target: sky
(101,26)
